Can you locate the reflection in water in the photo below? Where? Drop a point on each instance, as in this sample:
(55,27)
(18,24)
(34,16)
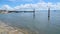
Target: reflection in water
(48,18)
(33,15)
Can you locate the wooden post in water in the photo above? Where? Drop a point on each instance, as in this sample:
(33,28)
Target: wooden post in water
(34,14)
(48,13)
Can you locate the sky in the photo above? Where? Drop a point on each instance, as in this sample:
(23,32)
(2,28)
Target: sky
(37,4)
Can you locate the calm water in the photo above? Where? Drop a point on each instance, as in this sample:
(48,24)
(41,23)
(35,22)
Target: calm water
(40,23)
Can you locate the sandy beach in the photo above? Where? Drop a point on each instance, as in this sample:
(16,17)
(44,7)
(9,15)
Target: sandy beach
(5,29)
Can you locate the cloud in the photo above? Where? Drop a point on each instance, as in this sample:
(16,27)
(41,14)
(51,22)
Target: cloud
(6,7)
(54,6)
(40,6)
(37,6)
(20,0)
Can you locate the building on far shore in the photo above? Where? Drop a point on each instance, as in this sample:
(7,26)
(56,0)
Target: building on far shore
(3,11)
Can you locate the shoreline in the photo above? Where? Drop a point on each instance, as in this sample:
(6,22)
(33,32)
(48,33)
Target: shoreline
(4,28)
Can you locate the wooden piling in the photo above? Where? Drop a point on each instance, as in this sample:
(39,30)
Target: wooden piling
(48,13)
(34,14)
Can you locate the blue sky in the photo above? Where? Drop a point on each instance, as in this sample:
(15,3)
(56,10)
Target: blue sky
(25,3)
(53,1)
(18,2)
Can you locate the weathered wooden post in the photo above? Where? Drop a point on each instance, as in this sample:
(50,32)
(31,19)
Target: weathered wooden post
(48,13)
(34,14)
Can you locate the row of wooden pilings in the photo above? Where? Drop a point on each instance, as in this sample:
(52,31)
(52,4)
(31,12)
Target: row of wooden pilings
(28,11)
(48,14)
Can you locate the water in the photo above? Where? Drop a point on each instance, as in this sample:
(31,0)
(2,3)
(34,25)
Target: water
(38,23)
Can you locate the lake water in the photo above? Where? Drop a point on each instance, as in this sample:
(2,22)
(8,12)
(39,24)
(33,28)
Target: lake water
(38,23)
